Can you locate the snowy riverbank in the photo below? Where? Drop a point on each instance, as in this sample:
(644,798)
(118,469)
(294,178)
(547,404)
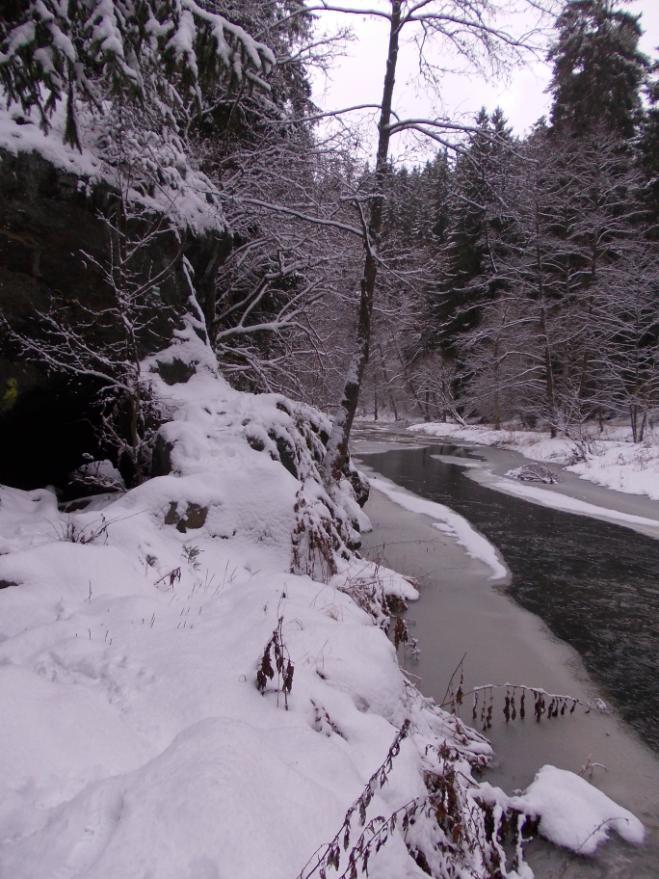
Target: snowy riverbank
(459,613)
(607,458)
(134,739)
(137,633)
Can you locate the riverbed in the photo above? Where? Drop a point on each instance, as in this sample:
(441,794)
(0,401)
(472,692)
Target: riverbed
(461,612)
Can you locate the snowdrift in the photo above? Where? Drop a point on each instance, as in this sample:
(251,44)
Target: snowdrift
(134,740)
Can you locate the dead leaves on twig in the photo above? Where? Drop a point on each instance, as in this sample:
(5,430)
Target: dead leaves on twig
(276,650)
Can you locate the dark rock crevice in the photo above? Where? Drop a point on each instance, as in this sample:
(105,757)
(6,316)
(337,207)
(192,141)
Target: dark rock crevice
(49,421)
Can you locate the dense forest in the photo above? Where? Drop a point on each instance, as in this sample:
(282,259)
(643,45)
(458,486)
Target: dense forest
(504,278)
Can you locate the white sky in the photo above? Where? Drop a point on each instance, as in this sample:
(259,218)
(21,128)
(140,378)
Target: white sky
(357,78)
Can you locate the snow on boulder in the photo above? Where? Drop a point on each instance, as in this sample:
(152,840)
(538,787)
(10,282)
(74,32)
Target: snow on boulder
(573,813)
(533,473)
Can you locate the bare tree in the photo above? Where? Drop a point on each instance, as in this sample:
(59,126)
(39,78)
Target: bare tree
(283,286)
(625,363)
(472,32)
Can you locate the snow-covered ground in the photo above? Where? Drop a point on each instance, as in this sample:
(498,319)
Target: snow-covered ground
(134,740)
(611,459)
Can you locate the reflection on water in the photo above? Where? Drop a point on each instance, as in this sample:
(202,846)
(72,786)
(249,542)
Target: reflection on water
(595,584)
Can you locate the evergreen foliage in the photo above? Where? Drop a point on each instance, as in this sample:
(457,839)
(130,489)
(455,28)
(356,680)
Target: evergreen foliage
(477,213)
(168,51)
(598,69)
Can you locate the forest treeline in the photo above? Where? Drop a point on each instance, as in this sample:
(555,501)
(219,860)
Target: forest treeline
(519,276)
(504,278)
(542,300)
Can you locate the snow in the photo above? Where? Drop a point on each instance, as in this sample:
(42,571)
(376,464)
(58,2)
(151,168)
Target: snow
(21,36)
(260,55)
(134,741)
(624,467)
(569,504)
(448,521)
(104,29)
(574,814)
(182,41)
(17,136)
(611,459)
(185,195)
(128,700)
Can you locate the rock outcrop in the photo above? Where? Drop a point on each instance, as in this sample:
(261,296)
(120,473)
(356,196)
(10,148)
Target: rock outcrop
(49,218)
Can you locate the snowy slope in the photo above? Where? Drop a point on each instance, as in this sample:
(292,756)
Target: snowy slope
(134,740)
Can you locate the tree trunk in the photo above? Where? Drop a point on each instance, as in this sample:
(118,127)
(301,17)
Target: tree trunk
(497,398)
(387,383)
(633,420)
(337,450)
(549,377)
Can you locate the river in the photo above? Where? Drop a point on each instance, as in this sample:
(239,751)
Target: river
(586,625)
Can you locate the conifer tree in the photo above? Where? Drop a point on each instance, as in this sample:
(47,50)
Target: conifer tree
(649,154)
(597,68)
(477,201)
(153,51)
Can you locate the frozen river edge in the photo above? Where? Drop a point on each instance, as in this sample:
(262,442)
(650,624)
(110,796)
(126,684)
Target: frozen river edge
(461,612)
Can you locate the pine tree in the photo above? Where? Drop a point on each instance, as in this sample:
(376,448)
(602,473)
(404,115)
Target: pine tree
(477,214)
(597,69)
(649,154)
(152,51)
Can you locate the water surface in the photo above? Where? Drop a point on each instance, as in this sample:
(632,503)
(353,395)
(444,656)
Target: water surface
(595,584)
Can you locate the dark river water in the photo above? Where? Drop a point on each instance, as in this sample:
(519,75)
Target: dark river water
(595,584)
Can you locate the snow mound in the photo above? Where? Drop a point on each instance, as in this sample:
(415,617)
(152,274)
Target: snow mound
(574,814)
(219,800)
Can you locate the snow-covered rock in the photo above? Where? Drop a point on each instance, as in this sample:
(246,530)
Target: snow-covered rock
(574,814)
(533,473)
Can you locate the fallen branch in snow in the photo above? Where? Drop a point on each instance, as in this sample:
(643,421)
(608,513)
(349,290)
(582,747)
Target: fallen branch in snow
(544,703)
(172,577)
(464,825)
(74,533)
(451,696)
(328,855)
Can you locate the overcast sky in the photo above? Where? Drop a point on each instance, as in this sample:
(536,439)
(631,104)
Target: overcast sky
(357,78)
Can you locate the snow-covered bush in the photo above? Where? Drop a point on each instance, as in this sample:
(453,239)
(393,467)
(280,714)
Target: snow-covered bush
(118,82)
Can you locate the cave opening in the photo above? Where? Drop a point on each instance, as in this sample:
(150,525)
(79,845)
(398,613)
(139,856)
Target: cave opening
(49,431)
